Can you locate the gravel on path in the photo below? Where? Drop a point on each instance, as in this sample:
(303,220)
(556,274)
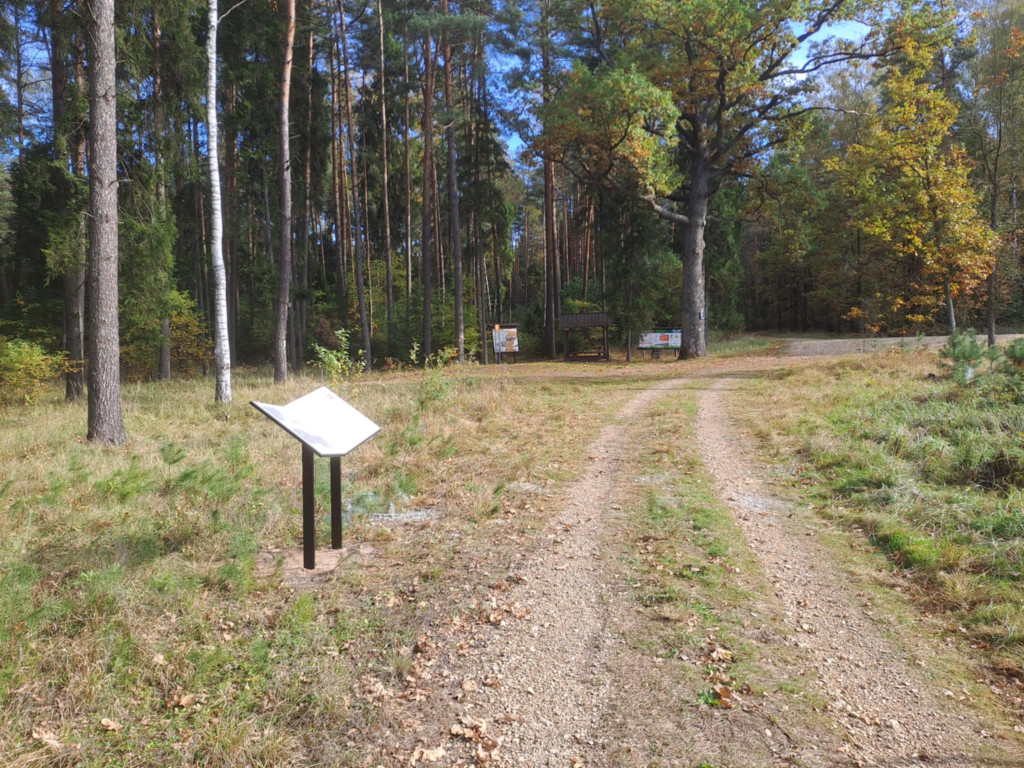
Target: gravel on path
(876,693)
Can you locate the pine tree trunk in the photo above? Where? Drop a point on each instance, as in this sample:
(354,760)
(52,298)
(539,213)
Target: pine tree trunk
(408,180)
(337,187)
(481,289)
(368,249)
(550,286)
(439,270)
(302,308)
(364,320)
(556,261)
(388,266)
(106,424)
(285,264)
(160,126)
(221,347)
(427,244)
(474,231)
(588,244)
(495,256)
(454,225)
(515,282)
(526,258)
(74,276)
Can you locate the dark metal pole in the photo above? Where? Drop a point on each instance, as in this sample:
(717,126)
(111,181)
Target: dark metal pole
(308,518)
(336,533)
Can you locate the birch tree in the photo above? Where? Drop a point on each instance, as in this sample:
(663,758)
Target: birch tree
(221,347)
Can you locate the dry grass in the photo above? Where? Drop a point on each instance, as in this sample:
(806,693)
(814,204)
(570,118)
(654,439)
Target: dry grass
(127,581)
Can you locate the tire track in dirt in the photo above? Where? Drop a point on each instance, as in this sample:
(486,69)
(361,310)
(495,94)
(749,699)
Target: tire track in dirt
(880,704)
(540,685)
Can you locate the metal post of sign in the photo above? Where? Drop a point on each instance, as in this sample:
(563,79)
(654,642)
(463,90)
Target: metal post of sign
(336,531)
(308,511)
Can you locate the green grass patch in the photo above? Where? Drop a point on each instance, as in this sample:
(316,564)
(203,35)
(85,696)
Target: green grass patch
(731,345)
(929,470)
(686,560)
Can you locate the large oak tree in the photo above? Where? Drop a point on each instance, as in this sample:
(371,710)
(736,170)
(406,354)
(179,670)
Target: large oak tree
(684,95)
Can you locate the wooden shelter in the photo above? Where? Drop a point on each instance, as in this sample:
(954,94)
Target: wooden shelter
(585,320)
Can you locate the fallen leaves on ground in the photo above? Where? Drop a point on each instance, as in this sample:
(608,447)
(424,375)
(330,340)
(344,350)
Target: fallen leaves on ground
(48,737)
(427,755)
(474,730)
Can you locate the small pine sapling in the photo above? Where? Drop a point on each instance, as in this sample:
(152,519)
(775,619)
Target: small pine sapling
(962,354)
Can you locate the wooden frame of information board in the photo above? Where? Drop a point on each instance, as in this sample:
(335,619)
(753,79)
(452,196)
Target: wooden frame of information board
(326,426)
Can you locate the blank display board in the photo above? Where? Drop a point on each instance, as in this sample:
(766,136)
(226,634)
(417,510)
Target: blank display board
(323,421)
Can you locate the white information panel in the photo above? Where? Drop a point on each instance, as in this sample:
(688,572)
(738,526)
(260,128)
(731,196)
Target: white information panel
(323,421)
(506,340)
(661,340)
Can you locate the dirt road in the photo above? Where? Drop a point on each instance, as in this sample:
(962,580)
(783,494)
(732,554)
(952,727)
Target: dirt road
(552,680)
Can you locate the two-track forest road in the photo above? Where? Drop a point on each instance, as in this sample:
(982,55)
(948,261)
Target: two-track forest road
(564,666)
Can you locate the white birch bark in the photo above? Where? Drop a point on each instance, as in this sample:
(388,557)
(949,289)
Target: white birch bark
(221,348)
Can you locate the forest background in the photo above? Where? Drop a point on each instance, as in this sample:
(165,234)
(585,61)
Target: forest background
(395,177)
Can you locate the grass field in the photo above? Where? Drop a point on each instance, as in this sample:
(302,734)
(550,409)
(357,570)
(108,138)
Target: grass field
(931,471)
(140,624)
(135,628)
